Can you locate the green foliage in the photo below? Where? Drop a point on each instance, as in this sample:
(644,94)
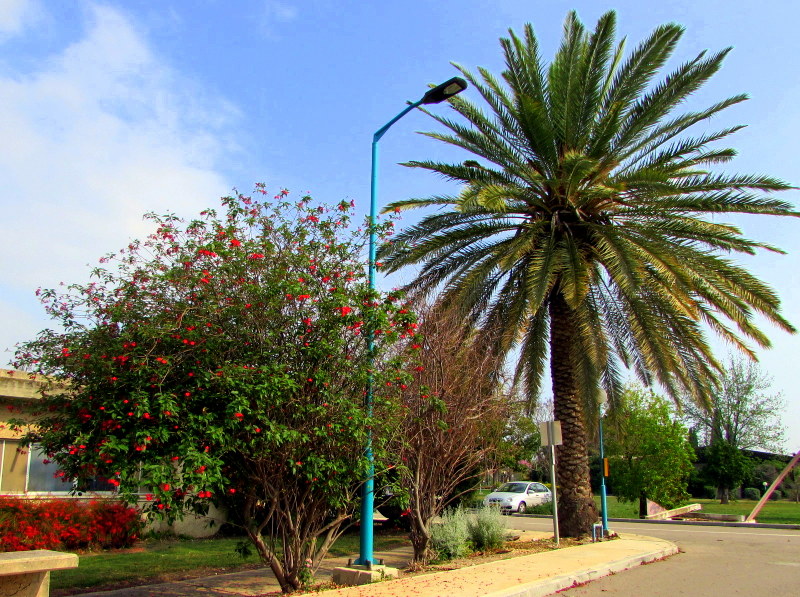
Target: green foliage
(222,361)
(776,495)
(791,484)
(520,441)
(546,508)
(649,452)
(751,493)
(764,471)
(487,528)
(726,466)
(450,538)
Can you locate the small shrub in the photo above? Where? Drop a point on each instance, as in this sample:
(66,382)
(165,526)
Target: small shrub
(776,495)
(487,528)
(751,493)
(450,538)
(540,509)
(708,492)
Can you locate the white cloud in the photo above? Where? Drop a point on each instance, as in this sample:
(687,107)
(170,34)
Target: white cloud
(276,13)
(283,13)
(94,138)
(15,15)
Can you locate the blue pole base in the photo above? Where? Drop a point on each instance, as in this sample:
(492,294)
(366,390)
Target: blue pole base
(604,507)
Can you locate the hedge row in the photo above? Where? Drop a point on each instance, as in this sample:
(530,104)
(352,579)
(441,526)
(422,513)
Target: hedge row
(66,524)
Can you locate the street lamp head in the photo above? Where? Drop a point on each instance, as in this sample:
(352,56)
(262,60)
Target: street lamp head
(602,399)
(444,91)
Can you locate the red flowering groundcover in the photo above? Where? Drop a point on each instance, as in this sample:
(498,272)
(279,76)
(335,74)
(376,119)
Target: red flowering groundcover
(65,524)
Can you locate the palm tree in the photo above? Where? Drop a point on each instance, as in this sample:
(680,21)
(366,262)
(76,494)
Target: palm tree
(586,228)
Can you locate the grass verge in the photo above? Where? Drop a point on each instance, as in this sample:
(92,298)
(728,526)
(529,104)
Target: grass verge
(155,561)
(777,512)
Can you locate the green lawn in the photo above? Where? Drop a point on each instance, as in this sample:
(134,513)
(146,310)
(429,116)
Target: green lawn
(151,560)
(778,512)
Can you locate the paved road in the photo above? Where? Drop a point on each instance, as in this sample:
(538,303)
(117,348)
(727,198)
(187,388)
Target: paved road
(713,561)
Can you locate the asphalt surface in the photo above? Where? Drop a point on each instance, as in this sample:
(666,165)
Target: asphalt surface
(713,561)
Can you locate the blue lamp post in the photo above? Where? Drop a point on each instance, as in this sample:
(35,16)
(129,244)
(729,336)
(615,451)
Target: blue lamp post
(603,498)
(433,96)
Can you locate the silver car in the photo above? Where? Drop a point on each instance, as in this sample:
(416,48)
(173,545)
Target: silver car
(518,495)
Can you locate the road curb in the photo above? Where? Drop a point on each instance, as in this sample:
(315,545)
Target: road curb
(552,585)
(700,523)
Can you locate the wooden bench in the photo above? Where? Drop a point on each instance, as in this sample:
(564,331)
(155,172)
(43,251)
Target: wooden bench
(27,573)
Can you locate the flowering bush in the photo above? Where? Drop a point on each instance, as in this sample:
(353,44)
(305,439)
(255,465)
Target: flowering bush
(222,360)
(66,524)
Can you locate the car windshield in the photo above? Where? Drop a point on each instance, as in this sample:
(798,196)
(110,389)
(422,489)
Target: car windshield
(512,488)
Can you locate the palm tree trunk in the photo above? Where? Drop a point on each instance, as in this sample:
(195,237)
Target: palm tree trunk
(576,509)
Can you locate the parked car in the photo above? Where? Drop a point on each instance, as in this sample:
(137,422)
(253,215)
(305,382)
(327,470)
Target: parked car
(518,495)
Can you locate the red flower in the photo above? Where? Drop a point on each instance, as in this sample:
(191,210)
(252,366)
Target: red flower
(257,256)
(345,310)
(238,416)
(236,243)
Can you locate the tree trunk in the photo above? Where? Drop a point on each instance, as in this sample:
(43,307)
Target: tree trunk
(724,495)
(576,509)
(421,541)
(642,505)
(288,583)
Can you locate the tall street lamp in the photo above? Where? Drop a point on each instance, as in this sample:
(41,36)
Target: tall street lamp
(603,467)
(434,96)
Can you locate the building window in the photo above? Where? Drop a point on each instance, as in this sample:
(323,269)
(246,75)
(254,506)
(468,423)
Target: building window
(28,470)
(14,468)
(42,473)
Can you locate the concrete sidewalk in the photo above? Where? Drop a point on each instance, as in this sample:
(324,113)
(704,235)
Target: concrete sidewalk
(529,576)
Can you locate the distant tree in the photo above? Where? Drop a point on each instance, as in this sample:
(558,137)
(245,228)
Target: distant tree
(519,448)
(741,415)
(453,414)
(649,451)
(741,411)
(222,361)
(726,467)
(791,484)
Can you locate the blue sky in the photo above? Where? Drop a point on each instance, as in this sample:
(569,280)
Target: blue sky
(111,109)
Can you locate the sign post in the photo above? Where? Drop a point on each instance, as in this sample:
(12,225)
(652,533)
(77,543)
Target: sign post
(550,432)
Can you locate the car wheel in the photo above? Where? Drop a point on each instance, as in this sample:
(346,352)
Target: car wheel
(521,508)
